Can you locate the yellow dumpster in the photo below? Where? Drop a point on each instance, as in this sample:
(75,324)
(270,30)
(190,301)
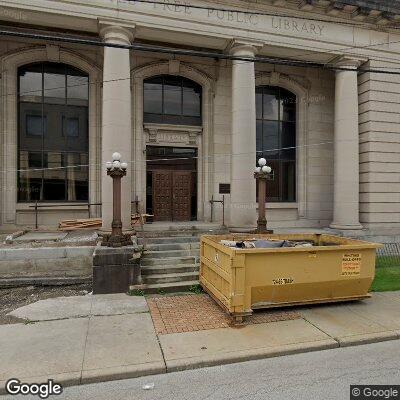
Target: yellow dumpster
(326,269)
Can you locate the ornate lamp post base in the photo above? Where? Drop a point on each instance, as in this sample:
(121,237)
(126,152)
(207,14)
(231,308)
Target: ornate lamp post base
(262,227)
(111,240)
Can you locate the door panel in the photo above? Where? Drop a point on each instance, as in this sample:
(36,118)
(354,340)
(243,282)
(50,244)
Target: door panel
(162,195)
(181,189)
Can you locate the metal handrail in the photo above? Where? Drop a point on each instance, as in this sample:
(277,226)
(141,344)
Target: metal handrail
(212,201)
(37,206)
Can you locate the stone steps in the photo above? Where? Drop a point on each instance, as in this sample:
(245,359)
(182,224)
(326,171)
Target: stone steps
(169,269)
(170,254)
(174,287)
(173,246)
(170,262)
(178,234)
(170,278)
(168,240)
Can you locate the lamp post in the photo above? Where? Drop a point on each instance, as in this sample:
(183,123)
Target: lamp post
(261,174)
(116,169)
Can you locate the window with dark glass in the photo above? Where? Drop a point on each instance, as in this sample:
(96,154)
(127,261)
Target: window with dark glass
(276,140)
(172,100)
(53,141)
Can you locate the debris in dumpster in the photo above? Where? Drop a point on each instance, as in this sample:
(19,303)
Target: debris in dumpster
(268,244)
(265,244)
(289,243)
(240,245)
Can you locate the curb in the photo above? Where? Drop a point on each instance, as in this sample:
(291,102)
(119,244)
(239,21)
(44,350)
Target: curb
(135,371)
(368,338)
(122,372)
(249,355)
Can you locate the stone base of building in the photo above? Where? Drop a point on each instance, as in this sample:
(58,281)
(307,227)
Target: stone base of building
(115,269)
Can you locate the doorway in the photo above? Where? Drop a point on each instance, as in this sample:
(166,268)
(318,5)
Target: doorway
(171,187)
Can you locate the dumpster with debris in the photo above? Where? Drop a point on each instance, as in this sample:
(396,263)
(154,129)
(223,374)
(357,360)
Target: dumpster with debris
(246,272)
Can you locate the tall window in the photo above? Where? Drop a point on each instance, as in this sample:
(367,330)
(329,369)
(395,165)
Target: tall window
(276,140)
(52,133)
(172,100)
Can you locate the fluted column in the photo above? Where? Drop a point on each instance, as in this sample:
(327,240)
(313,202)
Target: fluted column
(116,120)
(346,149)
(243,215)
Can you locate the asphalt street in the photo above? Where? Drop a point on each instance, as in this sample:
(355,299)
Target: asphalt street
(318,375)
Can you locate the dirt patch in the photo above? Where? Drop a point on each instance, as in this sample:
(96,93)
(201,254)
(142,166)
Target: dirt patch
(13,298)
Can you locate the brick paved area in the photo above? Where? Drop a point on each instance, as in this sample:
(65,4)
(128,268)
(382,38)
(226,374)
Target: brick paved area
(188,313)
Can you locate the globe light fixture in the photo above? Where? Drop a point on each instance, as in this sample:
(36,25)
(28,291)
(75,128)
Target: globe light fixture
(116,164)
(262,162)
(116,156)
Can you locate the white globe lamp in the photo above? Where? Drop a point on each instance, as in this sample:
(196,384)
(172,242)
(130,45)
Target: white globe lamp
(262,162)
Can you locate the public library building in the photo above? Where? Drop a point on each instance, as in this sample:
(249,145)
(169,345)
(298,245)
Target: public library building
(302,83)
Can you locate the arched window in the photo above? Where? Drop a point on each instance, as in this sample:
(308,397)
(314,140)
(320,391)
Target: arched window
(276,140)
(52,133)
(172,100)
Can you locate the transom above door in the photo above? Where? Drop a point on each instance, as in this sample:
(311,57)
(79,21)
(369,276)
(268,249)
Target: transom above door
(171,189)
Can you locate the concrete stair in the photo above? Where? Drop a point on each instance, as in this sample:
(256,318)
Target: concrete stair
(170,262)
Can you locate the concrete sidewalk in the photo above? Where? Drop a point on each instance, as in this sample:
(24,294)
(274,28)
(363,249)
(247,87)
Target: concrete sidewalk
(97,338)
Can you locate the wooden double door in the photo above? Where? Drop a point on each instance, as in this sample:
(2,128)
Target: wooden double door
(172,195)
(171,188)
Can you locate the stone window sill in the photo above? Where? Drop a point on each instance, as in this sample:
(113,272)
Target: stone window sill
(281,206)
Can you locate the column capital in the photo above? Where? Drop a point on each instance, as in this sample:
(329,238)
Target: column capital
(348,62)
(112,32)
(244,47)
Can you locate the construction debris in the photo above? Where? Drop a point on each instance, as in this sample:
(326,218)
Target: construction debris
(265,244)
(95,223)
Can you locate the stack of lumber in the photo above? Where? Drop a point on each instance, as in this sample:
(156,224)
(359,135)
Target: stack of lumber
(73,224)
(95,223)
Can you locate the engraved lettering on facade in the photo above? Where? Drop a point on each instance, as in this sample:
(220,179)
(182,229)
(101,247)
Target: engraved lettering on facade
(286,24)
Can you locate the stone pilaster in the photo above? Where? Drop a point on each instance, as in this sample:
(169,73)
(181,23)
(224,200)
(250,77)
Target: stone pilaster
(116,119)
(243,214)
(346,148)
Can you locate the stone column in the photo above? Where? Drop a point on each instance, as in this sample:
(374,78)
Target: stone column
(346,149)
(116,120)
(243,214)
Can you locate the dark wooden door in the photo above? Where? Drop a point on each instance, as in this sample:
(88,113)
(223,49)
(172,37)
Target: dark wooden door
(162,195)
(182,193)
(172,192)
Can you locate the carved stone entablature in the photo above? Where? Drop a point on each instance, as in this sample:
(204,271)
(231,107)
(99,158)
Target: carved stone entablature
(172,135)
(279,79)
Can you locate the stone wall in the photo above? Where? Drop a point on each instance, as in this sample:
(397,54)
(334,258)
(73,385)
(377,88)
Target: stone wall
(379,98)
(45,265)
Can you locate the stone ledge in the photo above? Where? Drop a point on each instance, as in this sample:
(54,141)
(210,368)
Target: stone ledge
(45,253)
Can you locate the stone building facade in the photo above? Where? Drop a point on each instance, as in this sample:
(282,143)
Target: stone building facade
(191,126)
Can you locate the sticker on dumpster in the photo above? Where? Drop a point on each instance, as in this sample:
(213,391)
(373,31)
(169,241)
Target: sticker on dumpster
(351,264)
(283,281)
